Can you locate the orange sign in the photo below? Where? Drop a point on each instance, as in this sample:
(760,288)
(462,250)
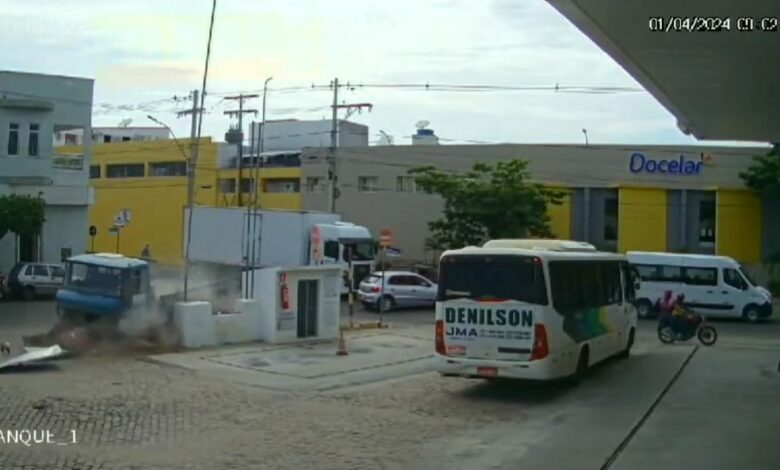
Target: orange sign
(386,237)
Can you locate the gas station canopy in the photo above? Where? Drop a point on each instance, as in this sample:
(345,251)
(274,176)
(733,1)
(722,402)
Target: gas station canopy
(720,85)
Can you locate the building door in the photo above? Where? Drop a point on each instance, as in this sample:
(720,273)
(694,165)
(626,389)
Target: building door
(307,308)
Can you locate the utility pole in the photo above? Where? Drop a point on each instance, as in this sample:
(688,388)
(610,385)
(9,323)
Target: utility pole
(191,166)
(333,166)
(240,138)
(333,144)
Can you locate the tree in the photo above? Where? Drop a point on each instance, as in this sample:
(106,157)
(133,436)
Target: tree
(21,214)
(487,202)
(764,174)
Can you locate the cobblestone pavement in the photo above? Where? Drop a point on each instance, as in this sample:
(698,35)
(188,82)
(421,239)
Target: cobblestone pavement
(127,413)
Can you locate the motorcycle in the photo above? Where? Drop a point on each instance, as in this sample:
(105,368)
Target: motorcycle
(670,329)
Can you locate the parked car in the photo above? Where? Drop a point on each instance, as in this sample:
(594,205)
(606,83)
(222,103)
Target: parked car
(30,280)
(402,289)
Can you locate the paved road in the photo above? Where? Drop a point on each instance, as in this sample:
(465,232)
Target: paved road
(719,412)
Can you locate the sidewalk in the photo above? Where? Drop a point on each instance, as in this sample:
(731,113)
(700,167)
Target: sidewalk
(313,366)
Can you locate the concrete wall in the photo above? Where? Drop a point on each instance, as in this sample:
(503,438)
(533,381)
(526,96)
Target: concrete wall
(65,227)
(642,224)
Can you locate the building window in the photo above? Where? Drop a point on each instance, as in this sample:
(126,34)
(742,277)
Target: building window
(126,139)
(32,140)
(406,184)
(706,223)
(94,171)
(131,170)
(611,219)
(314,184)
(367,184)
(282,185)
(168,169)
(106,139)
(71,139)
(247,185)
(13,139)
(227,185)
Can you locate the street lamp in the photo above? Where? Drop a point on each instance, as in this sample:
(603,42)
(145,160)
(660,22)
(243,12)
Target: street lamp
(262,128)
(178,144)
(585,133)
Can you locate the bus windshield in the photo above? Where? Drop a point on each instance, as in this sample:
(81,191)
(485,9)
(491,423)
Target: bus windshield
(94,279)
(492,277)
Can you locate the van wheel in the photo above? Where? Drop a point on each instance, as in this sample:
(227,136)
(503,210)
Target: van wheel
(626,353)
(644,308)
(582,366)
(28,293)
(751,314)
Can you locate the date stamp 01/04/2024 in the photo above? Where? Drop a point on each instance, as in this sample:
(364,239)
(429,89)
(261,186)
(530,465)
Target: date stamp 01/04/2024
(36,437)
(689,24)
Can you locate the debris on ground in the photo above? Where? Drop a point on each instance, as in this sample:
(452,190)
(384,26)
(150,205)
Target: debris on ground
(32,355)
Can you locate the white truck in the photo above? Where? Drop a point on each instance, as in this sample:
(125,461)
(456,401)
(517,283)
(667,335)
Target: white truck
(263,238)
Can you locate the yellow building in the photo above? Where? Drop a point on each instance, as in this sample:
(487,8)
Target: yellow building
(147,180)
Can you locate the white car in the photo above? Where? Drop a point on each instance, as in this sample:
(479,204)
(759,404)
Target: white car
(30,280)
(401,289)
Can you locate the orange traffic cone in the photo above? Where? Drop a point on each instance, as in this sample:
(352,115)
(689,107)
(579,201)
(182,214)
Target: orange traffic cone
(342,351)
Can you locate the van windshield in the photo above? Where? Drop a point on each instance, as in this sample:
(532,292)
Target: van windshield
(747,276)
(492,277)
(94,279)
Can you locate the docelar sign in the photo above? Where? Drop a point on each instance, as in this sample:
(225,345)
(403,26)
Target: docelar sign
(640,163)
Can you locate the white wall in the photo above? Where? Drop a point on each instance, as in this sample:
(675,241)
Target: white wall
(65,227)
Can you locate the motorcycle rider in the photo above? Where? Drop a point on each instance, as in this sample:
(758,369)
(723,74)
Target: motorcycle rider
(681,316)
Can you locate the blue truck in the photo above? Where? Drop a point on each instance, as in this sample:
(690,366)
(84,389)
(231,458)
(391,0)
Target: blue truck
(103,286)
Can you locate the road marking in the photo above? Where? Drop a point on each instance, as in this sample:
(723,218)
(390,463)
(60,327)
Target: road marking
(634,430)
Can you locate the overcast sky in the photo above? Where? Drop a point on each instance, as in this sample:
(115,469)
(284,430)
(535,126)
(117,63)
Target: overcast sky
(149,50)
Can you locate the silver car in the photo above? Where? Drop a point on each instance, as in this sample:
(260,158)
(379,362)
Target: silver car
(30,280)
(402,289)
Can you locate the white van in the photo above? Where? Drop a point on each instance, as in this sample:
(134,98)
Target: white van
(715,286)
(532,309)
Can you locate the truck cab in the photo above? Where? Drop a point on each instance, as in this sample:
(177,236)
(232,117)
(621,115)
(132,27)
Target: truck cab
(340,243)
(103,285)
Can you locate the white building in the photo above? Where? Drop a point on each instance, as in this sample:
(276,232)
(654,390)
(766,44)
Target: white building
(106,135)
(33,109)
(292,134)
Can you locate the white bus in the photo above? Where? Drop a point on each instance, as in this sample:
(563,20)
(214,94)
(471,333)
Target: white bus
(532,309)
(715,286)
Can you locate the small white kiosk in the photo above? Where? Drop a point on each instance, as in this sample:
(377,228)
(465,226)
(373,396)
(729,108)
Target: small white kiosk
(302,302)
